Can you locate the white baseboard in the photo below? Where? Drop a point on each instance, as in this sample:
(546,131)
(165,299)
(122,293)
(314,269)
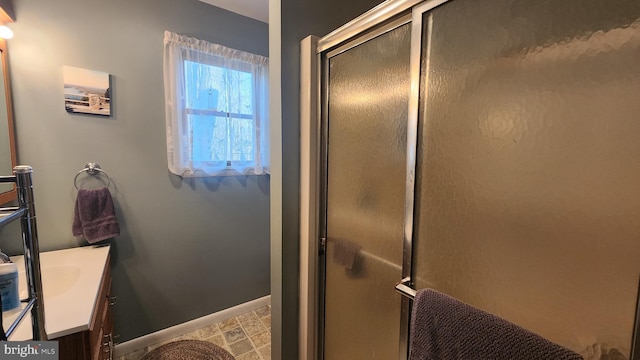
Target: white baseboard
(189,326)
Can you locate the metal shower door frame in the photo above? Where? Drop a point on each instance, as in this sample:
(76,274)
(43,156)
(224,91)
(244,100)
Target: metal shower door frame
(383,25)
(381,19)
(405,286)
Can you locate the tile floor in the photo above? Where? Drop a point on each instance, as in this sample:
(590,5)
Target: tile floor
(246,336)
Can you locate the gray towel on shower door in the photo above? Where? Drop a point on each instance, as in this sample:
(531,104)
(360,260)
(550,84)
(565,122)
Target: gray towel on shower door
(95,216)
(443,328)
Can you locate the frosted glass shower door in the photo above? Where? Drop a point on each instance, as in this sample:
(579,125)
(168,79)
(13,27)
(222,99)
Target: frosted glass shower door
(368,92)
(528,171)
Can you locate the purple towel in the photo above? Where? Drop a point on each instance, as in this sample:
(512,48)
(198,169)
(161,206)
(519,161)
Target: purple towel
(95,216)
(443,328)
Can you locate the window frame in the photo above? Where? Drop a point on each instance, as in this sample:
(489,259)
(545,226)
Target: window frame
(179,113)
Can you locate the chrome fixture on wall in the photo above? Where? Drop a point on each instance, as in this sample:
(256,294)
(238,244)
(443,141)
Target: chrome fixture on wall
(91,169)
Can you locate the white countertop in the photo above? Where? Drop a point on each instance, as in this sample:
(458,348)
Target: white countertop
(70,281)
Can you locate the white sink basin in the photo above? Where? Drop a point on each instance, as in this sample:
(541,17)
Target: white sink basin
(70,281)
(56,280)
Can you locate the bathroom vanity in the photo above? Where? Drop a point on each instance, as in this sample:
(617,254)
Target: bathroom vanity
(77,301)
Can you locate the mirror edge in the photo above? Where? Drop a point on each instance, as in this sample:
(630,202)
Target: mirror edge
(11,195)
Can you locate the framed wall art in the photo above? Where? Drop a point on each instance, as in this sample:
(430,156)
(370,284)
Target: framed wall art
(86,91)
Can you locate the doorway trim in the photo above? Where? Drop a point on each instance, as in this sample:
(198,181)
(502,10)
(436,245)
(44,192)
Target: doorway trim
(309,197)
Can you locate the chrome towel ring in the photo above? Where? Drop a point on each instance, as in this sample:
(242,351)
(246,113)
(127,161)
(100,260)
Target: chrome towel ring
(92,169)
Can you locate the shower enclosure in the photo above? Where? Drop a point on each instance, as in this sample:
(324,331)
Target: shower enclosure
(486,149)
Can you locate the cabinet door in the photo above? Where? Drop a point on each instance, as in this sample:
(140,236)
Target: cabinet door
(74,346)
(107,330)
(101,324)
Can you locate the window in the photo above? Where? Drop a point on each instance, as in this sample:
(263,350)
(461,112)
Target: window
(216,109)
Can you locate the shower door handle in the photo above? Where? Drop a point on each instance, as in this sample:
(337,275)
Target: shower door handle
(405,288)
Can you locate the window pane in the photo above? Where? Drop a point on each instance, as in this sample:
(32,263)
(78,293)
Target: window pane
(211,87)
(220,113)
(241,96)
(242,135)
(219,140)
(209,138)
(209,134)
(204,85)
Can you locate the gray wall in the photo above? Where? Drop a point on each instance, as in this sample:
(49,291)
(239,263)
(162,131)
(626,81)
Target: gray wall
(300,18)
(188,247)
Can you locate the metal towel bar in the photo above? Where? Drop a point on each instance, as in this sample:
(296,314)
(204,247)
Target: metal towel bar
(404,287)
(92,169)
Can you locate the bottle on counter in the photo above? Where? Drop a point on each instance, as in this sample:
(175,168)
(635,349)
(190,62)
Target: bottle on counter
(9,285)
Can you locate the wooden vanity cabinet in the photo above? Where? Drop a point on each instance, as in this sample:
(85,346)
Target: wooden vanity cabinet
(97,342)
